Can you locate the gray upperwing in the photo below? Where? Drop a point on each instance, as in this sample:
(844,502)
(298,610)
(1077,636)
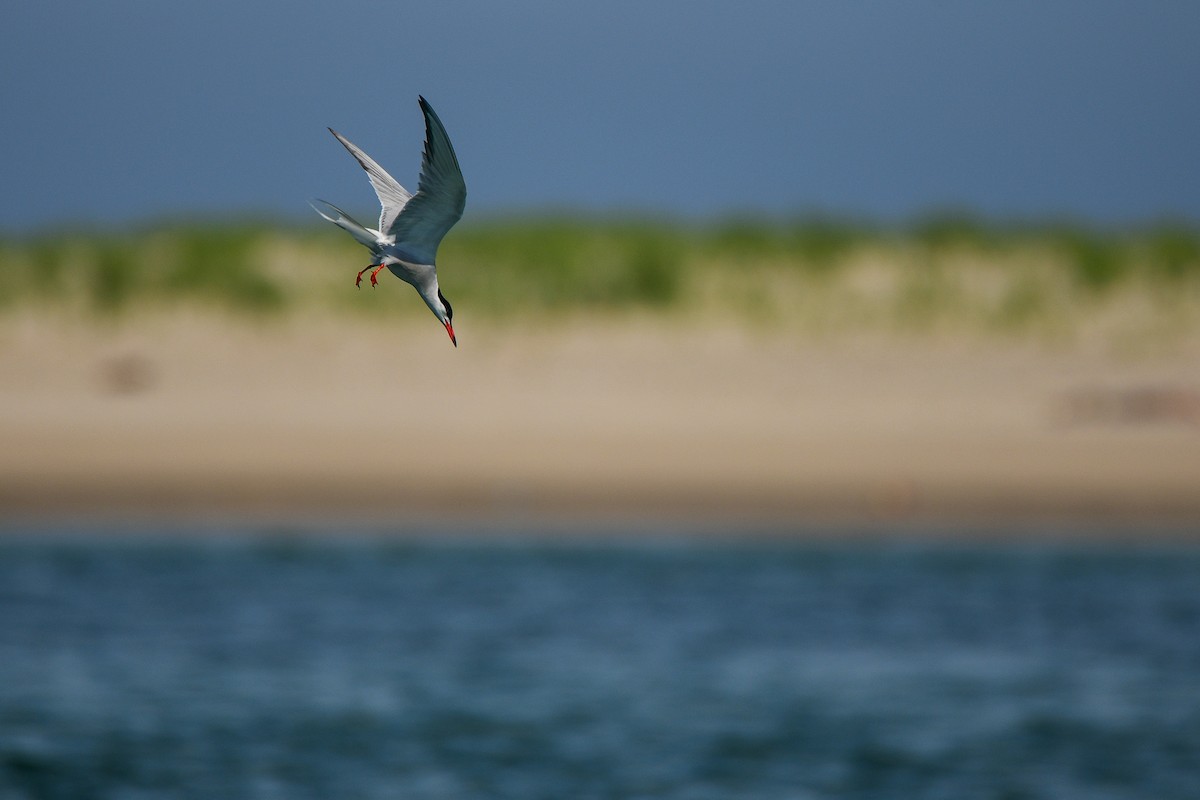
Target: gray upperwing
(392,196)
(440,199)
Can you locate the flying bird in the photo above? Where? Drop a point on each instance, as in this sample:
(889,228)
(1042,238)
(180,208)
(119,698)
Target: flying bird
(411,226)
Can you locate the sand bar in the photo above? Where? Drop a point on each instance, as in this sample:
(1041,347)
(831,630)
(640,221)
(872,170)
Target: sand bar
(196,416)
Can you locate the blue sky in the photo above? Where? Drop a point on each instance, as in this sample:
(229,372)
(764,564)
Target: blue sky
(132,110)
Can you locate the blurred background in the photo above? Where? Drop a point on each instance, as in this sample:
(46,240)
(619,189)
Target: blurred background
(129,112)
(825,419)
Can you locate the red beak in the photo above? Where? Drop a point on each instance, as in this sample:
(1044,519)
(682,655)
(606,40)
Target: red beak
(450,330)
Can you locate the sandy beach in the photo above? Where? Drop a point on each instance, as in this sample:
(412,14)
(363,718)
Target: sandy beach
(205,416)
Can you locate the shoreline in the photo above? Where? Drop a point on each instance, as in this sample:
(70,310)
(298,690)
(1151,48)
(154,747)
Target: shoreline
(299,507)
(198,417)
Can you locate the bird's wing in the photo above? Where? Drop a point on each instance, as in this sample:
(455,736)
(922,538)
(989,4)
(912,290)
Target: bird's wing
(392,196)
(329,211)
(440,198)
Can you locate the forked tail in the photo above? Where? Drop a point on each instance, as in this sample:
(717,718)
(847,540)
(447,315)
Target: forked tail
(366,237)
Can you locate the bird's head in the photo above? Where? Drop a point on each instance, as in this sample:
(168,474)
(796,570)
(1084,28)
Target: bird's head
(446,314)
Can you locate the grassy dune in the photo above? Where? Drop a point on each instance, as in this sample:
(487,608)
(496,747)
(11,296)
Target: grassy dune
(814,276)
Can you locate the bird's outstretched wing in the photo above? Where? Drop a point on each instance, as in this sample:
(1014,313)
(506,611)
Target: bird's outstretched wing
(440,199)
(347,223)
(392,196)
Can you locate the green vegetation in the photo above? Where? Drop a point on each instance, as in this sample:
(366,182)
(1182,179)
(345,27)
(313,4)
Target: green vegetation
(940,272)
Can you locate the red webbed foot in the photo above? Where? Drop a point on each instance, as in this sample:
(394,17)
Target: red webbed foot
(374,280)
(358,278)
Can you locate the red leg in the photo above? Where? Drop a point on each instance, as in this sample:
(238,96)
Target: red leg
(358,280)
(374,281)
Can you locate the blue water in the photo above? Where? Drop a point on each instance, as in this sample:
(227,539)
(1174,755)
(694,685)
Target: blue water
(274,666)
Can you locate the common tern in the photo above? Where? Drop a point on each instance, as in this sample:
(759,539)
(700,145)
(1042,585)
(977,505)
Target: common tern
(411,226)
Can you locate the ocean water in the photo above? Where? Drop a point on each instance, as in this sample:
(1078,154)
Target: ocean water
(331,666)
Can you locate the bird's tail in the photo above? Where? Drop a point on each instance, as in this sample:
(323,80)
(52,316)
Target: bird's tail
(329,211)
